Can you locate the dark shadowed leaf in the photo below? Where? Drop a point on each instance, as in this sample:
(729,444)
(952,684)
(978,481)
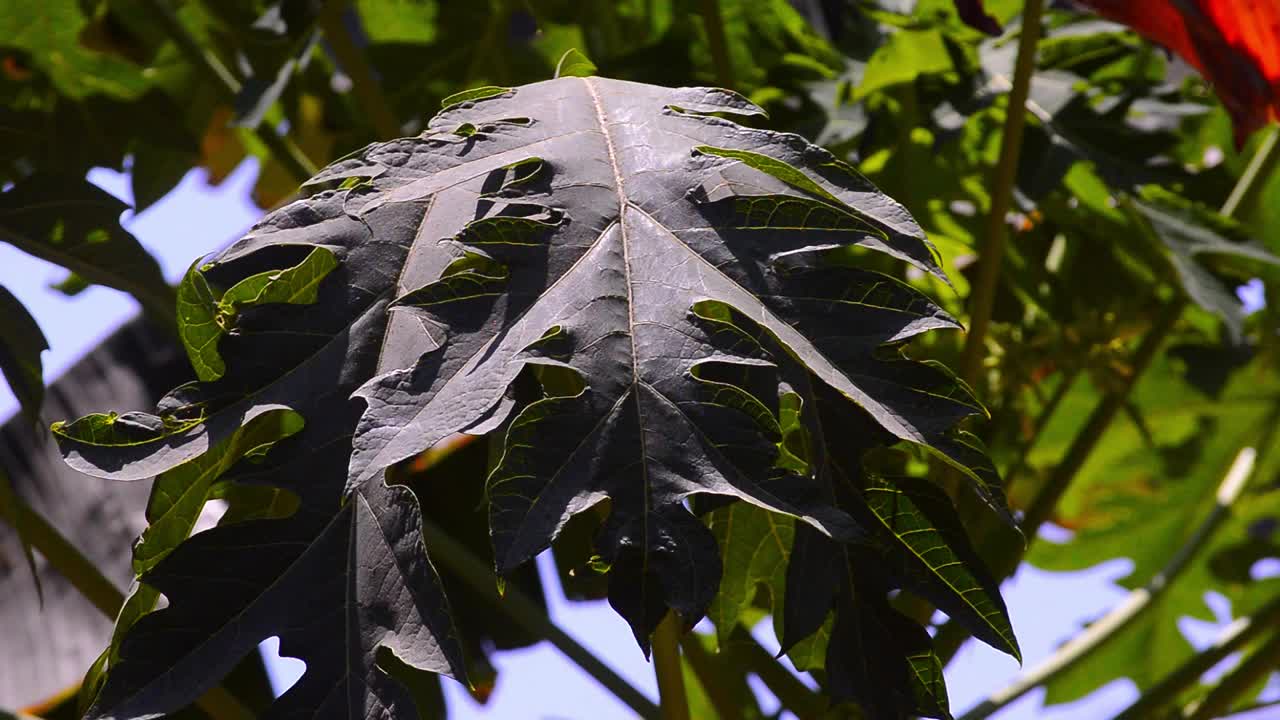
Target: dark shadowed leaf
(642,302)
(21,343)
(70,222)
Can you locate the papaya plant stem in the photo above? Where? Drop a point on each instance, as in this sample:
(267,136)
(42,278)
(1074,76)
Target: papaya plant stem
(1235,636)
(983,296)
(1084,644)
(364,84)
(713,22)
(89,581)
(666,665)
(282,148)
(1237,682)
(456,558)
(705,668)
(1255,175)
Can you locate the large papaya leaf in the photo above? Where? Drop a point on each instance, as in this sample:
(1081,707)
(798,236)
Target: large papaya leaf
(627,287)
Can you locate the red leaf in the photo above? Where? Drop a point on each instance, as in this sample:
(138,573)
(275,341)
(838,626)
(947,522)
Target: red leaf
(975,15)
(1235,44)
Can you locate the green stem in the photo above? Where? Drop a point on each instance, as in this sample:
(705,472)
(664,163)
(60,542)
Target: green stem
(282,148)
(1250,671)
(983,295)
(1084,644)
(1235,636)
(364,84)
(62,555)
(89,581)
(666,665)
(1255,175)
(455,557)
(708,673)
(713,22)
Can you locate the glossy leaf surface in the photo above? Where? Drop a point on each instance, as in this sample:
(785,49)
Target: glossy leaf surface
(640,298)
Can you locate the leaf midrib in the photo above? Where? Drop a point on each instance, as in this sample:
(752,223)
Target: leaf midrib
(631,320)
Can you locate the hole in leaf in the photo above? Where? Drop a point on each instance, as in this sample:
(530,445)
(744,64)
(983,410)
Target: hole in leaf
(210,515)
(283,672)
(1265,569)
(1055,534)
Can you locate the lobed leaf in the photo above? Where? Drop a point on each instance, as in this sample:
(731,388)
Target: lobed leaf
(644,304)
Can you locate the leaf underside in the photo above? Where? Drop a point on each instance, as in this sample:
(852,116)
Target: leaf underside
(649,305)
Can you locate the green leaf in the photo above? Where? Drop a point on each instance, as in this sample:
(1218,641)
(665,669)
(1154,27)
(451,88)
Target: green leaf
(71,285)
(72,223)
(919,526)
(473,95)
(21,343)
(1143,501)
(177,498)
(398,21)
(178,495)
(51,32)
(204,319)
(756,546)
(907,55)
(574,64)
(198,324)
(628,326)
(1196,238)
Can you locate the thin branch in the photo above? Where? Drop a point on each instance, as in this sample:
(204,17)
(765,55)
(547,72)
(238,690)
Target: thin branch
(1250,671)
(282,148)
(1235,636)
(454,556)
(87,579)
(666,665)
(364,84)
(983,295)
(1084,644)
(1255,175)
(713,22)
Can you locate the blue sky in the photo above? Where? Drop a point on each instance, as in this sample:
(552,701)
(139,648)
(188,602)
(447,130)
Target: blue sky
(537,682)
